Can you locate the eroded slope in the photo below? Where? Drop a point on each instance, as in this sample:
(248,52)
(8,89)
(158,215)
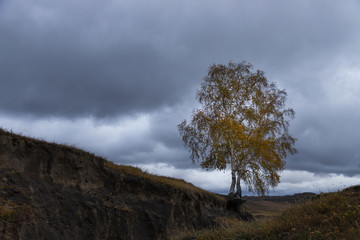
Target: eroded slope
(50,191)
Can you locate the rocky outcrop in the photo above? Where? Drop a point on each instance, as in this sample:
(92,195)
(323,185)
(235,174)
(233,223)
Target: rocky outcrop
(50,191)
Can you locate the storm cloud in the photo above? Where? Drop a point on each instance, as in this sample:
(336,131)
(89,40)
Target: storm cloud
(116,77)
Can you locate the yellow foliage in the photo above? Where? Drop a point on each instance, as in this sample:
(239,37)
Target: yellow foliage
(243,123)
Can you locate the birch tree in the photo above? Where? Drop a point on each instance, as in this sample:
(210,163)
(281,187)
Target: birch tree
(242,124)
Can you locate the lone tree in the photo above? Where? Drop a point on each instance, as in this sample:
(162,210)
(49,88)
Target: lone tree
(243,123)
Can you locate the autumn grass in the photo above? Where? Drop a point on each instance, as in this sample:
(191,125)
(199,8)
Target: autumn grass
(174,182)
(266,209)
(229,228)
(329,216)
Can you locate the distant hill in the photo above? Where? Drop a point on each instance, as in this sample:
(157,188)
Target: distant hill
(51,191)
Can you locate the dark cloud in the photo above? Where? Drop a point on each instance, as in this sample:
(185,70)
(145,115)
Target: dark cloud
(111,58)
(75,65)
(107,60)
(327,139)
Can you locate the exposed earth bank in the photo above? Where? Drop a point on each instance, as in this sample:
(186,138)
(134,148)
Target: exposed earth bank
(51,191)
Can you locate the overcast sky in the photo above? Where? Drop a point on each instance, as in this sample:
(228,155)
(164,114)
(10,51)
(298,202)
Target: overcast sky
(115,77)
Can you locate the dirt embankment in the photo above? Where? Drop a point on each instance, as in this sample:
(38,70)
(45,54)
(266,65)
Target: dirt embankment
(50,191)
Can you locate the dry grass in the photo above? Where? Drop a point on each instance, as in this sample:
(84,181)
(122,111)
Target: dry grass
(229,228)
(20,137)
(266,209)
(331,216)
(174,182)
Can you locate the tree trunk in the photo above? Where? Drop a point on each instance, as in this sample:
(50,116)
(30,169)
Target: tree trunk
(238,186)
(233,173)
(233,180)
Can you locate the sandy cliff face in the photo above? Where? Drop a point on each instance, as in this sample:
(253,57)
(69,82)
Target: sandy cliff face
(49,191)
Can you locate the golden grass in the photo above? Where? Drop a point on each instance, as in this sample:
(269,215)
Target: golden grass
(229,228)
(330,216)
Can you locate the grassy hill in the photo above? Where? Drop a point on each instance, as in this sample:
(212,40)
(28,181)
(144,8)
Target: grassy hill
(326,216)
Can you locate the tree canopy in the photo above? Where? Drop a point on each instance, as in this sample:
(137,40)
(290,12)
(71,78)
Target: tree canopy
(242,123)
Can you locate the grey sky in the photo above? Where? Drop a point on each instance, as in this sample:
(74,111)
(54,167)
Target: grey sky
(116,77)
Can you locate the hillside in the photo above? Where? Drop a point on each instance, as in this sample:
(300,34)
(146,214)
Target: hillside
(51,191)
(327,216)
